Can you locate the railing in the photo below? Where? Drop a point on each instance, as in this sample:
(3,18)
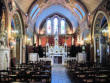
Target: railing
(45,59)
(70,58)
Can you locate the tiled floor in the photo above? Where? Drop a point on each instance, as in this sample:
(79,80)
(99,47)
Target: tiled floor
(59,74)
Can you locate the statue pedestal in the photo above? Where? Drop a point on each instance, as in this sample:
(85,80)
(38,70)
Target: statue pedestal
(4,58)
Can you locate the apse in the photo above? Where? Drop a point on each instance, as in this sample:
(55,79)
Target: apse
(56,23)
(56,9)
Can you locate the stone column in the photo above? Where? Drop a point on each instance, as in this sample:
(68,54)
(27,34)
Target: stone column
(109,27)
(72,41)
(24,49)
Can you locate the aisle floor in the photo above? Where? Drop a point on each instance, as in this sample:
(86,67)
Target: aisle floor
(59,74)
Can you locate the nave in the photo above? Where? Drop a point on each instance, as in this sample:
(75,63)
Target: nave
(55,41)
(43,72)
(88,72)
(60,75)
(38,72)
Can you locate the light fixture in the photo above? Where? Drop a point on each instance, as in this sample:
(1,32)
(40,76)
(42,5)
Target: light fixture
(29,39)
(105,31)
(14,31)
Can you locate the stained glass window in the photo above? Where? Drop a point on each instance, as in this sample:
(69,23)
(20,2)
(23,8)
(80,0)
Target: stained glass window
(55,25)
(49,29)
(62,26)
(12,24)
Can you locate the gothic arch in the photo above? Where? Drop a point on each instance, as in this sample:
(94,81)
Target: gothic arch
(18,35)
(96,29)
(18,21)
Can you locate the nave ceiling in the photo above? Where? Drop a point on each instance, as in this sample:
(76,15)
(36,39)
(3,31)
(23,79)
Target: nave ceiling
(88,7)
(91,5)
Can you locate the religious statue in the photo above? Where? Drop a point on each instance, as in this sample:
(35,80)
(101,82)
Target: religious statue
(3,33)
(3,39)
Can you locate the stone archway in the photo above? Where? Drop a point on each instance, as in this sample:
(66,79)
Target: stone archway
(100,36)
(16,38)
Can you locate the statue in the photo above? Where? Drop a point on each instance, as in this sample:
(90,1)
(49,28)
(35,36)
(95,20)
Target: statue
(3,39)
(3,33)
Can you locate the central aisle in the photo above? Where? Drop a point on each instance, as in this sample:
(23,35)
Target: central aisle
(59,74)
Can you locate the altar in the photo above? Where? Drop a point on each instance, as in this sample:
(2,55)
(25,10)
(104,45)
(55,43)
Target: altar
(57,58)
(56,53)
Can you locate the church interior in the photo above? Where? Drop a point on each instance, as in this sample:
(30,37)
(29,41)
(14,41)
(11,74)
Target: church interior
(55,41)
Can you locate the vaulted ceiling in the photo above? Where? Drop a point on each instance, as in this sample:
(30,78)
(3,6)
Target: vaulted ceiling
(45,6)
(88,6)
(24,5)
(91,5)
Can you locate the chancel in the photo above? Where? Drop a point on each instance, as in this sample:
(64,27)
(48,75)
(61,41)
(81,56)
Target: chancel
(56,53)
(55,41)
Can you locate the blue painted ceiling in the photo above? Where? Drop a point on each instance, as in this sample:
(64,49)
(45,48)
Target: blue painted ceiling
(56,9)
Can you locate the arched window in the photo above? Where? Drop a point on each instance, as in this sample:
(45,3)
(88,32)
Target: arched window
(55,25)
(62,26)
(12,25)
(49,29)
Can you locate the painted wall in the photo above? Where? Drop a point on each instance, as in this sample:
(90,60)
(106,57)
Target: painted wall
(43,41)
